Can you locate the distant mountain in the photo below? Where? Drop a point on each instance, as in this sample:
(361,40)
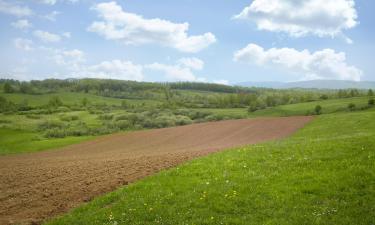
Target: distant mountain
(320,84)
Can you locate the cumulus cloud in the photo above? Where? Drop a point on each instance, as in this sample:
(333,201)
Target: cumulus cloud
(14,9)
(48,2)
(23,44)
(193,63)
(53,2)
(21,24)
(324,64)
(299,18)
(47,36)
(130,28)
(67,34)
(181,71)
(72,58)
(115,69)
(51,16)
(224,82)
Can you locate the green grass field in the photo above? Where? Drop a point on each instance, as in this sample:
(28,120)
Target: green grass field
(328,106)
(324,174)
(70,98)
(20,133)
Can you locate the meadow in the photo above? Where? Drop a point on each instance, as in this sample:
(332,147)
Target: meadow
(323,174)
(57,119)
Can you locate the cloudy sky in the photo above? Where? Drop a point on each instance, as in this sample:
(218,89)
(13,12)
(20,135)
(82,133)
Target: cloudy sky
(217,41)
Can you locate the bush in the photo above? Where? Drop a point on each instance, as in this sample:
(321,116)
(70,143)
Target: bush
(68,118)
(55,133)
(55,102)
(318,110)
(351,106)
(106,117)
(371,102)
(123,124)
(183,120)
(50,124)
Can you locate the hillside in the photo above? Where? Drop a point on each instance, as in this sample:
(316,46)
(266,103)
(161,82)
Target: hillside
(320,84)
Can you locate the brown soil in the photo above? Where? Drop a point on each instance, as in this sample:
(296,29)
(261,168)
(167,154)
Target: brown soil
(38,186)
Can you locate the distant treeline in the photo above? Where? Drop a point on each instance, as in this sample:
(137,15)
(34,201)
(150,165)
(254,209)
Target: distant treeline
(179,94)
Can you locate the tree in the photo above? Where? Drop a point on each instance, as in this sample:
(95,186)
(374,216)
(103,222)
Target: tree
(318,110)
(8,88)
(351,106)
(370,92)
(324,97)
(371,102)
(55,102)
(252,107)
(124,104)
(85,102)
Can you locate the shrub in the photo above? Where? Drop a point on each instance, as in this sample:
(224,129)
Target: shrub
(351,106)
(55,133)
(106,117)
(183,120)
(68,118)
(123,124)
(371,102)
(50,124)
(55,102)
(318,110)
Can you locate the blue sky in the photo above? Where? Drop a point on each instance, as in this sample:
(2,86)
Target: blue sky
(166,40)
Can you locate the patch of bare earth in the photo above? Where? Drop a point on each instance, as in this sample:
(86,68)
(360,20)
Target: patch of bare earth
(37,186)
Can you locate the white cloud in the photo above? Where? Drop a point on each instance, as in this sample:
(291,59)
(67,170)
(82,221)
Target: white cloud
(51,16)
(22,24)
(130,28)
(115,69)
(324,64)
(193,63)
(72,58)
(23,44)
(181,71)
(53,2)
(224,82)
(14,9)
(299,18)
(67,34)
(46,36)
(48,2)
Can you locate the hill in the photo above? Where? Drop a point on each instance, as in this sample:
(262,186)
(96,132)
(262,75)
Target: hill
(319,84)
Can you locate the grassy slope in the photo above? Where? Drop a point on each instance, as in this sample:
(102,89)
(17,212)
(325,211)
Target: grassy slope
(21,141)
(69,98)
(328,106)
(324,174)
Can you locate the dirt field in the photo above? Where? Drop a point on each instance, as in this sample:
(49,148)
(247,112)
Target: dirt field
(37,186)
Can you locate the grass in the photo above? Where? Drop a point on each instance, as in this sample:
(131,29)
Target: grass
(328,106)
(28,138)
(70,98)
(22,141)
(324,174)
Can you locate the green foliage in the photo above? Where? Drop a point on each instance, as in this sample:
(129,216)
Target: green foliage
(351,106)
(322,175)
(318,109)
(8,88)
(324,97)
(371,102)
(370,93)
(55,102)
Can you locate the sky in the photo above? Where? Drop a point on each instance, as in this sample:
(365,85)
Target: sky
(216,41)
